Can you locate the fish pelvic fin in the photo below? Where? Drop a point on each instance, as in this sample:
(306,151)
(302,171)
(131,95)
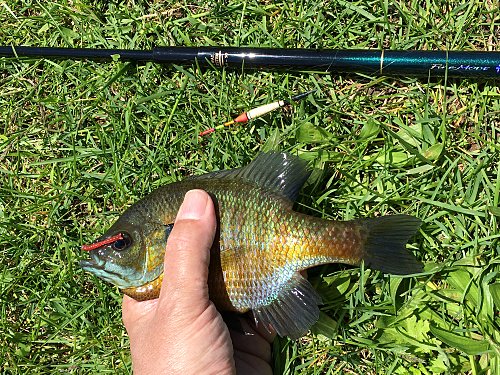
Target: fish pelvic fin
(294,310)
(385,245)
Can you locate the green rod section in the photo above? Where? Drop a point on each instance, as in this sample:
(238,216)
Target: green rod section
(460,64)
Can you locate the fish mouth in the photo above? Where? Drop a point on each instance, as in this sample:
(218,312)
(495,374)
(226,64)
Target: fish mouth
(89,265)
(97,268)
(111,270)
(94,263)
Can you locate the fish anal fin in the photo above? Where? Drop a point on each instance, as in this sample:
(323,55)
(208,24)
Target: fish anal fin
(294,310)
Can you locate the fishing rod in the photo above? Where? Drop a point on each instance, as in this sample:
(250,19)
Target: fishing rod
(459,64)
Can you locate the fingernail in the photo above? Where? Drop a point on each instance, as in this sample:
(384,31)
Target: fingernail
(194,205)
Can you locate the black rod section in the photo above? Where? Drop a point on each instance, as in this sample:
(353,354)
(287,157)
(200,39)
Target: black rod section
(76,53)
(478,64)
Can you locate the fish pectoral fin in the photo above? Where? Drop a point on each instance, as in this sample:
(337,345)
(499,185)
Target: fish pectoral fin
(294,310)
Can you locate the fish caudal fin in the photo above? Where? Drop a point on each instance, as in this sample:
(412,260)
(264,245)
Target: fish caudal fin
(385,246)
(294,310)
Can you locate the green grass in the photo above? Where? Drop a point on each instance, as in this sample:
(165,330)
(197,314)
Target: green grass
(80,141)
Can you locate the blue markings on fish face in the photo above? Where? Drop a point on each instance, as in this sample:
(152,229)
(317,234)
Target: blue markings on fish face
(125,262)
(106,267)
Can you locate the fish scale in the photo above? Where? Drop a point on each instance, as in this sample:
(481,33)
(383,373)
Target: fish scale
(285,248)
(261,246)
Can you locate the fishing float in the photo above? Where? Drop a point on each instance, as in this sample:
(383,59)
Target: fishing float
(457,64)
(257,112)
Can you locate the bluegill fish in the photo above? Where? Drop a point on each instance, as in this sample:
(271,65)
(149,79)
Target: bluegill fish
(262,245)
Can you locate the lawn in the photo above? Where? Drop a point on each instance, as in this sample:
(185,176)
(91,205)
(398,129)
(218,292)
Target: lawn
(80,141)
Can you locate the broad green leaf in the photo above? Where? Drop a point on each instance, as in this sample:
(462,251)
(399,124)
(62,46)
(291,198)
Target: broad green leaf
(44,29)
(321,156)
(309,133)
(370,129)
(438,365)
(272,142)
(465,344)
(461,280)
(393,288)
(414,371)
(418,170)
(393,158)
(417,328)
(69,34)
(338,281)
(337,288)
(434,152)
(468,263)
(325,326)
(410,134)
(495,294)
(494,210)
(6,277)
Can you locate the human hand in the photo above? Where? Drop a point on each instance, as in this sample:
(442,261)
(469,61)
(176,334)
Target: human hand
(182,331)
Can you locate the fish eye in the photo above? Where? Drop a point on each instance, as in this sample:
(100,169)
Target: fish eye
(123,243)
(168,229)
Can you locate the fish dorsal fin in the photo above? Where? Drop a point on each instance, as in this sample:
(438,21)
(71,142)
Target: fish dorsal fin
(216,174)
(294,310)
(280,172)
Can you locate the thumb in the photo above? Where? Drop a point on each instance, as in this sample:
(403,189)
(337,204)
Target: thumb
(135,311)
(188,251)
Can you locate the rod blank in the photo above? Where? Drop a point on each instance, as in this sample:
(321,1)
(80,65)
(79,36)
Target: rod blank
(461,64)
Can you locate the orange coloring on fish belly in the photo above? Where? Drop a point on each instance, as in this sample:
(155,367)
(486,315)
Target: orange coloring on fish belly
(147,291)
